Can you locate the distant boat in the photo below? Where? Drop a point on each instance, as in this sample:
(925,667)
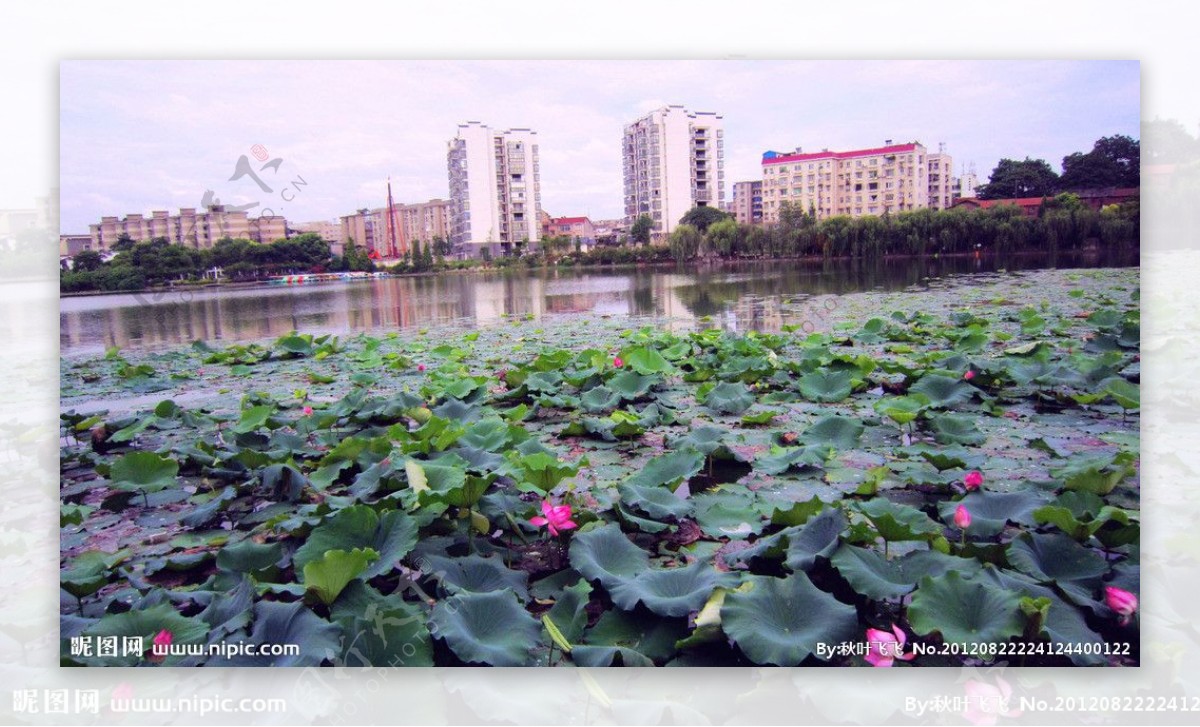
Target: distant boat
(303,278)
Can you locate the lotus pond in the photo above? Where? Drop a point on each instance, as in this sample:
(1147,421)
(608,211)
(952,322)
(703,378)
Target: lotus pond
(951,475)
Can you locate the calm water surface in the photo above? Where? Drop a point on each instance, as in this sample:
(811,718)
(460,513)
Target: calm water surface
(761,296)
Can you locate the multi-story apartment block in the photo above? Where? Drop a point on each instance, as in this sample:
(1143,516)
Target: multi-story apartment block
(417,222)
(965,186)
(747,206)
(674,160)
(941,179)
(888,179)
(495,190)
(191,228)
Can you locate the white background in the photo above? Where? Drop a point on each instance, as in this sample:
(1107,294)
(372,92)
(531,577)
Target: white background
(36,37)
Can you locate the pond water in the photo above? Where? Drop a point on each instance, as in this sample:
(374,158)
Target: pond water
(761,296)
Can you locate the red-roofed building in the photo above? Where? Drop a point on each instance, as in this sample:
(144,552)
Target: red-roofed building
(1094,198)
(886,179)
(1028,205)
(573,227)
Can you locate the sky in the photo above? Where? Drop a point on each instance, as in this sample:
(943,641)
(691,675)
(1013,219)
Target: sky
(137,136)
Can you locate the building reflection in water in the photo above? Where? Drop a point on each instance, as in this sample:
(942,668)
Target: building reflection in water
(756,296)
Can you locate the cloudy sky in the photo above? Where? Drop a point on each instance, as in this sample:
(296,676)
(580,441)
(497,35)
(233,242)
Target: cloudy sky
(143,135)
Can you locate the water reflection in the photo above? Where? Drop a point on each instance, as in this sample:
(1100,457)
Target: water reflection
(762,296)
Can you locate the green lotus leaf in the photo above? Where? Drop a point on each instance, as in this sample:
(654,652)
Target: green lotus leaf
(247,556)
(964,611)
(1098,474)
(542,471)
(637,639)
(944,392)
(896,522)
(956,429)
(729,398)
(289,623)
(143,471)
(486,628)
(668,470)
(902,409)
(475,574)
(727,515)
(1127,395)
(394,635)
(254,418)
(657,502)
(391,537)
(781,620)
(876,577)
(670,591)
(645,361)
(816,538)
(606,555)
(147,623)
(826,386)
(1053,557)
(326,576)
(631,386)
(88,572)
(783,459)
(834,431)
(600,399)
(1064,624)
(991,511)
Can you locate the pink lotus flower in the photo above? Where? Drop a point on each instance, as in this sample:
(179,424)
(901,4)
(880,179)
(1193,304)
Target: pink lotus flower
(163,638)
(962,517)
(308,411)
(987,702)
(557,517)
(1121,601)
(420,367)
(973,480)
(618,363)
(969,375)
(886,647)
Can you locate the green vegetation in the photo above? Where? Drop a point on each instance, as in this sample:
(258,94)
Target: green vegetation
(1062,224)
(595,493)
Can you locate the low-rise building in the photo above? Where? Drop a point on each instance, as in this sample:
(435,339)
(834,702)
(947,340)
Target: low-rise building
(580,228)
(72,245)
(423,222)
(199,230)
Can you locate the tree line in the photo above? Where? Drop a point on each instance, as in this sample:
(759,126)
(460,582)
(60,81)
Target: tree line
(1063,223)
(1114,161)
(149,263)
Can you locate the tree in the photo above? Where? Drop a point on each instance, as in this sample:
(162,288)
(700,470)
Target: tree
(124,243)
(685,242)
(1013,179)
(1114,161)
(702,217)
(723,237)
(87,260)
(1169,142)
(640,231)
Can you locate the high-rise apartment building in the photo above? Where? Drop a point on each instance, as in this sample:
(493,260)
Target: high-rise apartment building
(190,228)
(888,179)
(941,179)
(495,190)
(747,206)
(674,160)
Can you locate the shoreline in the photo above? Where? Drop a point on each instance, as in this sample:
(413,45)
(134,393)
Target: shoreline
(702,263)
